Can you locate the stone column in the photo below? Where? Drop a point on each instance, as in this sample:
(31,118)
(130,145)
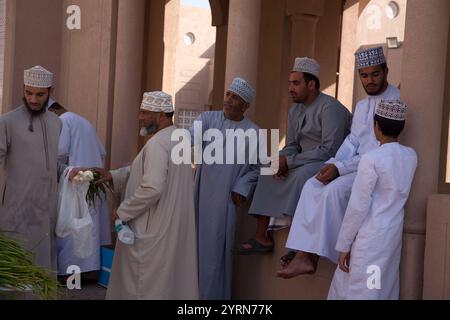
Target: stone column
(348,48)
(87,65)
(304,16)
(171,31)
(33,36)
(422,88)
(219,12)
(243,43)
(220,61)
(303,35)
(128,81)
(154,45)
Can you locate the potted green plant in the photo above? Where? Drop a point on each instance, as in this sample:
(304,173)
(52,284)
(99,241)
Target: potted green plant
(19,274)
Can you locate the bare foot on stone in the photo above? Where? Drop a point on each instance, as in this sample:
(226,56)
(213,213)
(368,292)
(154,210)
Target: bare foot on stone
(302,263)
(287,258)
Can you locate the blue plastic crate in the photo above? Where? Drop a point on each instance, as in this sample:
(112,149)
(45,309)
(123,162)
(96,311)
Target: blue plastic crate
(106,254)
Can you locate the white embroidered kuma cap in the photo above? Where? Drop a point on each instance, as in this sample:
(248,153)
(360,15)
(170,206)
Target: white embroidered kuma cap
(369,57)
(157,101)
(38,77)
(243,89)
(307,65)
(392,109)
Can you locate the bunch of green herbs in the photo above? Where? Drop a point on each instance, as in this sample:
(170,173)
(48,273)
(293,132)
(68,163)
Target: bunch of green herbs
(19,274)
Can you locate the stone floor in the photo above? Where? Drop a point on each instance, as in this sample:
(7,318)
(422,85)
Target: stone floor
(90,290)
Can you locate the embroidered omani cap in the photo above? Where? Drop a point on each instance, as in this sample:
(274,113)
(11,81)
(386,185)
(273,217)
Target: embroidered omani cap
(157,101)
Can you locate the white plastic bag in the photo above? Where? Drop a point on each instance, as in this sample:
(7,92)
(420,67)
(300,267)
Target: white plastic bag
(73,216)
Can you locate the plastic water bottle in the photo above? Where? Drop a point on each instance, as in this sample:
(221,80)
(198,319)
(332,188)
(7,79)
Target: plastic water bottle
(124,233)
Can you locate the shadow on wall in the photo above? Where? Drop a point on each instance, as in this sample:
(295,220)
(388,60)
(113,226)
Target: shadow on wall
(194,87)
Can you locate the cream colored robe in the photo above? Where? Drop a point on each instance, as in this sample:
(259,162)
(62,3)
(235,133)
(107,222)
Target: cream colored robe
(29,197)
(158,205)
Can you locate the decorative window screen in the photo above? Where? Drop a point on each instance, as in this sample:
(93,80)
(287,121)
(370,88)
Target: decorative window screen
(186,118)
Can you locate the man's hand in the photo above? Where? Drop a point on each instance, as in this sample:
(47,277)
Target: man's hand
(282,169)
(74,172)
(281,177)
(327,174)
(238,199)
(114,215)
(344,261)
(106,175)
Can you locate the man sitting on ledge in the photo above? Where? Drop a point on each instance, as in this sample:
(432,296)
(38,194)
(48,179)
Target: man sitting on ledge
(317,125)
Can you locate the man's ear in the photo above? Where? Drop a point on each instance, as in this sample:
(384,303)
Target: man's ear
(376,126)
(51,92)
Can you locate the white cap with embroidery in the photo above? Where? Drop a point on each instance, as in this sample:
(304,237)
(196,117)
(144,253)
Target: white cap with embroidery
(38,77)
(243,89)
(369,57)
(307,65)
(392,109)
(157,101)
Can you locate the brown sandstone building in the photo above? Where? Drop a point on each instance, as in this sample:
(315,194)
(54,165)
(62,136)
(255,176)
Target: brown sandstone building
(124,47)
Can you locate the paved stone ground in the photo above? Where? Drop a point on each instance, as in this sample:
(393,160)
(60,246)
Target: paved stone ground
(90,290)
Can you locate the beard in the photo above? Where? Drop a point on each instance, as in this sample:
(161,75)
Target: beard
(36,112)
(297,100)
(379,90)
(146,131)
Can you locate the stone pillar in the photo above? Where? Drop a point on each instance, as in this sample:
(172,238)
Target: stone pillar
(161,41)
(304,16)
(87,65)
(219,12)
(33,36)
(220,61)
(154,45)
(422,88)
(106,76)
(243,43)
(8,60)
(128,81)
(171,31)
(303,35)
(348,48)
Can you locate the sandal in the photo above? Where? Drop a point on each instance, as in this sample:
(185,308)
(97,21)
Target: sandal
(256,247)
(287,258)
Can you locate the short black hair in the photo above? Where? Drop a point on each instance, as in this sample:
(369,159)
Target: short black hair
(388,127)
(383,66)
(310,77)
(170,115)
(56,106)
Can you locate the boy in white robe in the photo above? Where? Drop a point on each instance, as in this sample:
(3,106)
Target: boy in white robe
(370,238)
